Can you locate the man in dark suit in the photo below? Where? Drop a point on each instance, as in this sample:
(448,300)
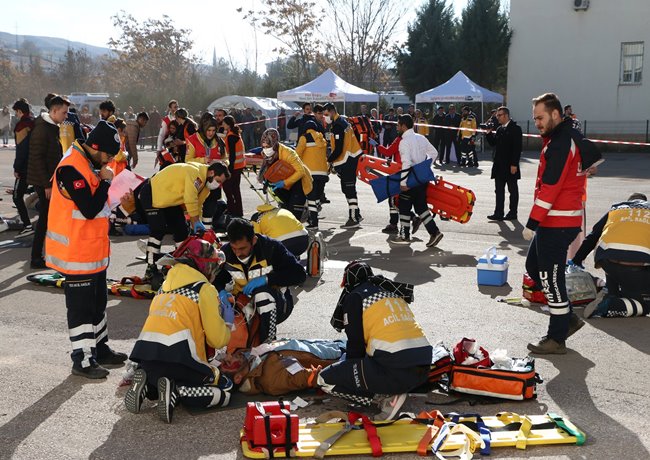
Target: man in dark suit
(452,119)
(439,133)
(505,165)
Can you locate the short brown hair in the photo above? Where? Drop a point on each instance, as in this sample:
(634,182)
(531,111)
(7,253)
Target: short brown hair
(504,109)
(550,101)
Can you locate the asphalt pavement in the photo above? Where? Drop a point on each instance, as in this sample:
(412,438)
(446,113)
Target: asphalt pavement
(601,384)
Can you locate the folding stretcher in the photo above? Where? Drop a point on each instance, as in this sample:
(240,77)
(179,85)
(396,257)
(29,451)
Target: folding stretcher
(126,287)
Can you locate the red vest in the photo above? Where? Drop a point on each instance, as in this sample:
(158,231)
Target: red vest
(203,150)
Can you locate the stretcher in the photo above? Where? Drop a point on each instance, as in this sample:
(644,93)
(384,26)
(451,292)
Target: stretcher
(451,434)
(126,287)
(448,200)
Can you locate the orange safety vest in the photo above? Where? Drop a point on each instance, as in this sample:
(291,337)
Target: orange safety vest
(203,150)
(363,132)
(240,159)
(75,245)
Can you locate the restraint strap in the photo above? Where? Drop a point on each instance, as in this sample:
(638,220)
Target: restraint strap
(371,432)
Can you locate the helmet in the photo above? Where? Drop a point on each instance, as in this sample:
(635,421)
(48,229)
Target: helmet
(201,255)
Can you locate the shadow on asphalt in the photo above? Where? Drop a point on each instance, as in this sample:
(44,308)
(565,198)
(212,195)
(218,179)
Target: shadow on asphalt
(633,331)
(570,391)
(9,257)
(19,428)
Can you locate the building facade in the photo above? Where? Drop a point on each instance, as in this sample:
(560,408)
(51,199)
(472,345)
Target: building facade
(592,53)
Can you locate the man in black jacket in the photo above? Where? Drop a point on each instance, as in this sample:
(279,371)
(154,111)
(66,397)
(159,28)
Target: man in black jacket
(505,165)
(439,133)
(452,119)
(45,152)
(295,122)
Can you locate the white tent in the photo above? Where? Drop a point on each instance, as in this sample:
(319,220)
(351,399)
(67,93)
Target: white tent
(458,88)
(268,105)
(328,87)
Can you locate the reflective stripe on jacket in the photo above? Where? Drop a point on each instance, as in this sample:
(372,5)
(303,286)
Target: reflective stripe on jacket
(75,245)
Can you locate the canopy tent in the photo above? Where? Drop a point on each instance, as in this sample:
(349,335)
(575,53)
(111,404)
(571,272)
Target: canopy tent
(458,88)
(269,106)
(328,87)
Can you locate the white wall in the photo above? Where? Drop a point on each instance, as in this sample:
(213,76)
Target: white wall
(577,55)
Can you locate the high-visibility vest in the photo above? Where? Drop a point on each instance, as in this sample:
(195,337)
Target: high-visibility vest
(204,153)
(75,245)
(240,159)
(363,132)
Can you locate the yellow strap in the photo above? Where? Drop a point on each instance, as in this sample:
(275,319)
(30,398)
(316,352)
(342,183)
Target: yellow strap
(508,417)
(524,433)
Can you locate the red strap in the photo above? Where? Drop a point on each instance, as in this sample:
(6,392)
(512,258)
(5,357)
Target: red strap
(115,290)
(135,294)
(371,432)
(431,432)
(131,280)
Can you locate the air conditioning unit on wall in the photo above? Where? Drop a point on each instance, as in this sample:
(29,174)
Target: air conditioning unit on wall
(580,5)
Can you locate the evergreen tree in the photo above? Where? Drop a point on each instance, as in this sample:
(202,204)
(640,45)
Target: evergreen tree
(483,42)
(429,56)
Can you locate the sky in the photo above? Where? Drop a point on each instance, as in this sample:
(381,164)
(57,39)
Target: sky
(221,26)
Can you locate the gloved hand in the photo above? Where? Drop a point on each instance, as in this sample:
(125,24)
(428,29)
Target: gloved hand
(227,311)
(277,185)
(571,263)
(254,284)
(199,227)
(372,142)
(528,234)
(226,297)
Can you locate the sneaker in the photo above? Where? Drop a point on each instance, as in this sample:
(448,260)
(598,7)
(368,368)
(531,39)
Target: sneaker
(495,217)
(94,371)
(391,229)
(435,239)
(108,357)
(136,392)
(400,239)
(28,230)
(351,223)
(415,224)
(575,323)
(547,346)
(37,264)
(358,217)
(390,407)
(510,217)
(591,307)
(166,399)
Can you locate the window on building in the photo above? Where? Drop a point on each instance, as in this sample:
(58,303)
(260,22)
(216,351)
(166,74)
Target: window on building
(631,63)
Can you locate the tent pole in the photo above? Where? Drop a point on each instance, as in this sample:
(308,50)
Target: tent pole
(483,139)
(343,107)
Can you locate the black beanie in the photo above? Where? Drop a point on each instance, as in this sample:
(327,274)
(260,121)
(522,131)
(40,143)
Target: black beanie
(104,138)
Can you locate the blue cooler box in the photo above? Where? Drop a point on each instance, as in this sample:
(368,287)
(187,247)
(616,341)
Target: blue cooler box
(492,269)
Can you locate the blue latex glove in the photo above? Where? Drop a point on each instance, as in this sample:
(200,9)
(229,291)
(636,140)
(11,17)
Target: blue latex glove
(227,307)
(372,142)
(571,263)
(278,185)
(254,284)
(199,227)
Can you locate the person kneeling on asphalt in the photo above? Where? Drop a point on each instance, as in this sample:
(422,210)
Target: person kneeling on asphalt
(171,349)
(387,350)
(262,270)
(622,242)
(283,226)
(161,200)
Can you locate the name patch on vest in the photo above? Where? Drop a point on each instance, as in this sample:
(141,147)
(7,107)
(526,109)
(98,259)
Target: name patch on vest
(198,184)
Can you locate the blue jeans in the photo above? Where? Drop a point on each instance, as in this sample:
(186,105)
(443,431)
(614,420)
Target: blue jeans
(545,264)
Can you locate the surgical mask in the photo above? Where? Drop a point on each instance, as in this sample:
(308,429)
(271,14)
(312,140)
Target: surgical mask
(268,151)
(213,185)
(328,119)
(245,259)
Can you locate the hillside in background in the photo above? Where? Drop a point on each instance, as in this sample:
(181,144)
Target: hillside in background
(47,47)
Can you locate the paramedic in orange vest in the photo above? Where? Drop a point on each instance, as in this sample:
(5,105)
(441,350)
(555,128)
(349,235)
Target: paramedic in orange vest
(203,147)
(77,245)
(236,162)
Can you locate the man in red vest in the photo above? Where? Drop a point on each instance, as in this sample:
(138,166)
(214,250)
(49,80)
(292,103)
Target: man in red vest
(77,245)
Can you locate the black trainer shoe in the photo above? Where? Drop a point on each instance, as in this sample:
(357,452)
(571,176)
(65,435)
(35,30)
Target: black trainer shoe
(391,229)
(94,371)
(108,357)
(495,217)
(28,230)
(166,399)
(435,239)
(400,239)
(547,346)
(136,392)
(351,223)
(510,216)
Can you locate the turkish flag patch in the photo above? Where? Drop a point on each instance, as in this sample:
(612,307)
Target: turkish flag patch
(79,184)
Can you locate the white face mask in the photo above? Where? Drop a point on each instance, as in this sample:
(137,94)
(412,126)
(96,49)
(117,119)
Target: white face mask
(213,185)
(268,151)
(328,119)
(245,259)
